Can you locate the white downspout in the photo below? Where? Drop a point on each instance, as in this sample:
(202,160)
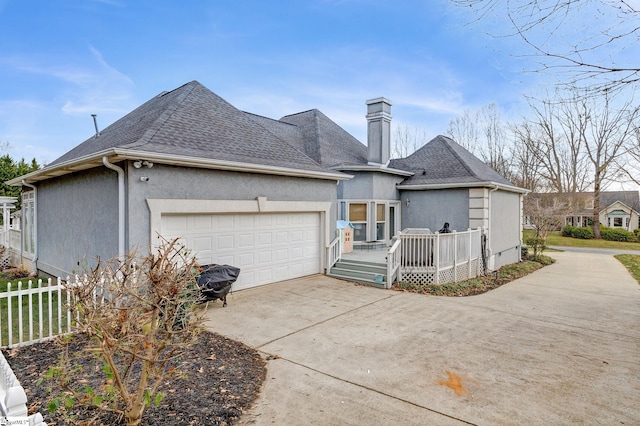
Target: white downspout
(121,215)
(35,224)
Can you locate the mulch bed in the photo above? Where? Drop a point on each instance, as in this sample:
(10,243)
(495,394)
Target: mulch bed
(220,379)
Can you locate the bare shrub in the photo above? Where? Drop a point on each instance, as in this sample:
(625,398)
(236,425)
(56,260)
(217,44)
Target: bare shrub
(139,315)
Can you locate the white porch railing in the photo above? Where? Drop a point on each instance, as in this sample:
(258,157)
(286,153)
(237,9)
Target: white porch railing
(334,252)
(428,258)
(393,262)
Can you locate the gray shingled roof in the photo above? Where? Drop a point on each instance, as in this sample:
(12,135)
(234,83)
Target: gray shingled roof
(325,141)
(630,198)
(192,121)
(442,162)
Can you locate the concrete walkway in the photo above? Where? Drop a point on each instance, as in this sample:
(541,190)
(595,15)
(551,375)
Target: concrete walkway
(560,346)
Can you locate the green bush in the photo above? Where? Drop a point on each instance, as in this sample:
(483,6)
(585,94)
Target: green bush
(537,244)
(612,234)
(567,231)
(524,252)
(582,233)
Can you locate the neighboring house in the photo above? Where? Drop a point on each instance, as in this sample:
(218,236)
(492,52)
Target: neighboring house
(246,190)
(618,209)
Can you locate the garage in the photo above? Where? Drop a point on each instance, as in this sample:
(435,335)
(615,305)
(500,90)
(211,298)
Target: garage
(267,247)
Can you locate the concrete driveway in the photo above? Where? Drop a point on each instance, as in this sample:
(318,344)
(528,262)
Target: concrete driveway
(560,346)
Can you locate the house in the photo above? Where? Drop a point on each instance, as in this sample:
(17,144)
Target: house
(618,209)
(250,191)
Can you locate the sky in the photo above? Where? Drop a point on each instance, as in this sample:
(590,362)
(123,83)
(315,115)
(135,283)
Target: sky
(63,60)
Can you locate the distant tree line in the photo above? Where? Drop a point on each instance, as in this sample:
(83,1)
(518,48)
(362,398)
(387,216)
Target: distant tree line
(10,169)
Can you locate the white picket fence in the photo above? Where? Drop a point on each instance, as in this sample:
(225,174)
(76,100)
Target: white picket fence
(29,313)
(45,316)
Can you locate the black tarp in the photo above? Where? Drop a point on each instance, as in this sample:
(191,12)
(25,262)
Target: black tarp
(215,281)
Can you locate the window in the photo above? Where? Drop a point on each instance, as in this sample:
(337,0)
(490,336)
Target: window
(588,204)
(617,222)
(358,217)
(380,221)
(28,227)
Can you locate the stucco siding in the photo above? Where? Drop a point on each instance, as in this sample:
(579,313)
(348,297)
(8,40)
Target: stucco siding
(504,230)
(77,220)
(360,187)
(369,186)
(431,209)
(385,186)
(168,182)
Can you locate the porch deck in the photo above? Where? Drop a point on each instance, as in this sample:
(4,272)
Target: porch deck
(373,255)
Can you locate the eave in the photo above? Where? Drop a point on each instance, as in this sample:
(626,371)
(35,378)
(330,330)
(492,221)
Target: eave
(487,184)
(117,155)
(372,168)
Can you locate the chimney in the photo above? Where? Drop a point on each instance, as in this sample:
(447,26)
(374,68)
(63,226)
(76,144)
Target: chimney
(379,130)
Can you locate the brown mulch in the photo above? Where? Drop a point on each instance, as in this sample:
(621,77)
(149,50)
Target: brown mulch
(219,379)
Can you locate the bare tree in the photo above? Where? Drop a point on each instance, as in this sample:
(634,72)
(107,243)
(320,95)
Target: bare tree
(608,130)
(556,143)
(495,151)
(589,42)
(524,162)
(406,141)
(464,129)
(484,134)
(629,165)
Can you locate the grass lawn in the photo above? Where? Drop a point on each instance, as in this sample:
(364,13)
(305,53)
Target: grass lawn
(632,263)
(556,239)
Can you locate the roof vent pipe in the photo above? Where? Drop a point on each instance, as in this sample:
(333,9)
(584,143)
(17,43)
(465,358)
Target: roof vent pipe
(95,124)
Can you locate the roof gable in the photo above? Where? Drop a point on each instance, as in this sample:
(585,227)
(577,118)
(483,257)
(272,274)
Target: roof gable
(628,198)
(442,161)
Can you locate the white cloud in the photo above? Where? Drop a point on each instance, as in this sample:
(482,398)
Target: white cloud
(92,86)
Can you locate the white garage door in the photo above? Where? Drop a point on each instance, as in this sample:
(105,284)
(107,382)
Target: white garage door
(267,247)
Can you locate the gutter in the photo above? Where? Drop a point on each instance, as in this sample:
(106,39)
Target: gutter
(372,168)
(121,213)
(92,160)
(420,187)
(35,225)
